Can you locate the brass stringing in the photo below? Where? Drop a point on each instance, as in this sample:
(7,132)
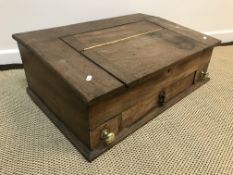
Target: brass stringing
(119,40)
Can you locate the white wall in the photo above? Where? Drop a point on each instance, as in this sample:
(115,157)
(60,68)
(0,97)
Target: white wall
(211,16)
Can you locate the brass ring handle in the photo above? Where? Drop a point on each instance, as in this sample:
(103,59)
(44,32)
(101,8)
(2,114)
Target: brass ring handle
(107,136)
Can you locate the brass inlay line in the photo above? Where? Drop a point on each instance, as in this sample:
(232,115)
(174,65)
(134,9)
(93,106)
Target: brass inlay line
(119,40)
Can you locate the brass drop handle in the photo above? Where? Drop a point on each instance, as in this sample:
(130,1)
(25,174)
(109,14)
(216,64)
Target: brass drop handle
(107,136)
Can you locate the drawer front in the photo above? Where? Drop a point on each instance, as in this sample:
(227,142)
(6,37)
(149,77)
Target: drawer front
(123,112)
(133,114)
(136,112)
(106,109)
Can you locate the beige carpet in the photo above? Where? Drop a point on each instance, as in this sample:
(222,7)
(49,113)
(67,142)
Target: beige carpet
(193,137)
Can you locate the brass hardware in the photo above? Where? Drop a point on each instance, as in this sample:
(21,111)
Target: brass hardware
(204,75)
(107,136)
(162,96)
(119,40)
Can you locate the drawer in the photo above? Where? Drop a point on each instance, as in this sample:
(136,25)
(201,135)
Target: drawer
(133,114)
(147,92)
(137,112)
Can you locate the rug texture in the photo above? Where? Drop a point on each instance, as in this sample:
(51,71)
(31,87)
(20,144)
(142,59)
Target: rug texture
(195,136)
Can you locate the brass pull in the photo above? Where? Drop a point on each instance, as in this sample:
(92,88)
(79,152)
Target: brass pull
(204,75)
(107,136)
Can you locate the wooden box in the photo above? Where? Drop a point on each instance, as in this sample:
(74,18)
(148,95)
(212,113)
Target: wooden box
(100,81)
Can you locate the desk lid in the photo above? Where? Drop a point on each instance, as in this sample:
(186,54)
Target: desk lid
(125,51)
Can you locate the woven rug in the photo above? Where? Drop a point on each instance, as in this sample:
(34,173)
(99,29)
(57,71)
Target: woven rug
(195,136)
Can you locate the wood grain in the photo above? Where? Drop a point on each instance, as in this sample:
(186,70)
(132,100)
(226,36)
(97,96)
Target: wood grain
(56,94)
(74,69)
(138,59)
(103,110)
(89,154)
(108,74)
(89,39)
(136,112)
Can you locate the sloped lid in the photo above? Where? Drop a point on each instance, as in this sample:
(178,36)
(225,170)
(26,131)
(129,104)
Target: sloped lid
(134,52)
(100,58)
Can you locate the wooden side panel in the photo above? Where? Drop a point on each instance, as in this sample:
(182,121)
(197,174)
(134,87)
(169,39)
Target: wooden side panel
(75,68)
(91,154)
(179,86)
(57,70)
(135,113)
(56,94)
(207,56)
(104,110)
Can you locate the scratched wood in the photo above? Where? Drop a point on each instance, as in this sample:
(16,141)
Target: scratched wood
(112,35)
(109,74)
(106,109)
(74,68)
(139,110)
(140,58)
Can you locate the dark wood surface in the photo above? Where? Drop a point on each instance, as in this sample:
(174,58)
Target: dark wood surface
(74,69)
(110,74)
(146,54)
(87,40)
(89,154)
(57,94)
(106,109)
(138,59)
(66,131)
